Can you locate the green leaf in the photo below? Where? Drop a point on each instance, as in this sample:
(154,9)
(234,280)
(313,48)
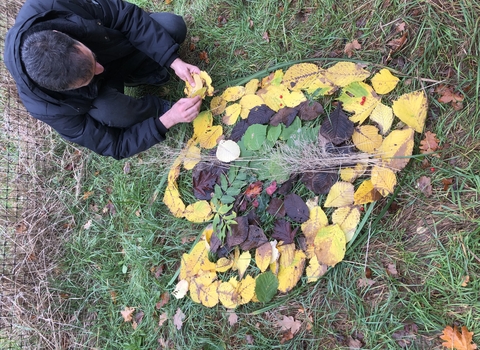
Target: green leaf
(293,128)
(224,209)
(218,191)
(273,132)
(255,137)
(266,286)
(232,191)
(227,199)
(223,182)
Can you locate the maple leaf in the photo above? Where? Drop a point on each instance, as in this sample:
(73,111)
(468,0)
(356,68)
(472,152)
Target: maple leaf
(127,313)
(349,47)
(449,96)
(289,323)
(204,57)
(454,339)
(429,143)
(162,319)
(233,318)
(253,190)
(178,319)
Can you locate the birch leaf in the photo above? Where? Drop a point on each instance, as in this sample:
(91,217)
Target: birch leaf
(383,116)
(396,148)
(411,109)
(199,211)
(366,138)
(252,86)
(288,276)
(223,264)
(384,81)
(340,195)
(347,218)
(217,105)
(330,245)
(344,73)
(366,193)
(351,174)
(383,180)
(247,103)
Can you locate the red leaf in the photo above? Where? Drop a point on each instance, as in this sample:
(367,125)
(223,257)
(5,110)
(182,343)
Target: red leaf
(253,190)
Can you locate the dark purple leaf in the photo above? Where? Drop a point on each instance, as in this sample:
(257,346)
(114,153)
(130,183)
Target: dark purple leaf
(276,208)
(296,208)
(337,128)
(239,130)
(256,238)
(204,178)
(285,115)
(309,110)
(238,232)
(215,243)
(253,218)
(319,183)
(260,115)
(282,231)
(287,186)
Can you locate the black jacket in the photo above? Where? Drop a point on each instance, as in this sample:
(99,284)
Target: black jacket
(112,29)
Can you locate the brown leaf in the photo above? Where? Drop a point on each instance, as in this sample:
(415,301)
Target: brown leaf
(127,313)
(178,319)
(113,294)
(349,47)
(289,323)
(392,270)
(447,183)
(233,318)
(249,339)
(161,320)
(365,282)
(454,339)
(424,184)
(286,336)
(466,279)
(250,23)
(397,44)
(354,344)
(429,143)
(109,208)
(126,168)
(164,299)
(204,57)
(254,189)
(266,37)
(88,194)
(21,228)
(400,27)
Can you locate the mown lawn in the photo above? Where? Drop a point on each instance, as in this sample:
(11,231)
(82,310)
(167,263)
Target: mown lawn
(404,278)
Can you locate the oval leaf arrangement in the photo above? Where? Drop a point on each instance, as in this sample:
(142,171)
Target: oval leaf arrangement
(286,191)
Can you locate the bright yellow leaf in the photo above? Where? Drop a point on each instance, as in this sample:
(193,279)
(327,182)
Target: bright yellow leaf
(223,264)
(294,98)
(366,138)
(199,211)
(397,148)
(383,116)
(247,103)
(411,109)
(300,76)
(321,85)
(330,245)
(317,219)
(203,85)
(251,87)
(192,157)
(366,193)
(347,218)
(383,180)
(340,195)
(233,93)
(315,270)
(173,201)
(242,262)
(287,254)
(359,98)
(217,105)
(246,289)
(351,174)
(231,114)
(384,81)
(202,123)
(203,290)
(195,261)
(288,276)
(273,79)
(211,137)
(227,294)
(344,73)
(263,256)
(274,96)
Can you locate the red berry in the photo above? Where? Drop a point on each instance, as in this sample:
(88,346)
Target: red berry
(432,169)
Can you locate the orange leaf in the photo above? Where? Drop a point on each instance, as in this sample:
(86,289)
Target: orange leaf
(349,47)
(429,143)
(127,313)
(456,340)
(204,57)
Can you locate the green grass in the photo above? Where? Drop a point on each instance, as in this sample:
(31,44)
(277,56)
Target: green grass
(433,242)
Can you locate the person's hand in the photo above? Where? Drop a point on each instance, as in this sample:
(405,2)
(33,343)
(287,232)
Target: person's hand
(184,70)
(184,110)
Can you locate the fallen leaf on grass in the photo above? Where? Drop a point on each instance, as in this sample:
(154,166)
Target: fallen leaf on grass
(286,336)
(454,339)
(404,336)
(266,37)
(204,57)
(448,95)
(232,319)
(349,47)
(178,319)
(466,279)
(164,298)
(424,184)
(354,343)
(127,313)
(429,143)
(397,44)
(249,339)
(447,183)
(392,270)
(162,319)
(289,323)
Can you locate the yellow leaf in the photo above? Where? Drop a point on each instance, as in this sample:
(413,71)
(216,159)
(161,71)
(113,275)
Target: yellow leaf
(242,263)
(207,82)
(247,103)
(294,98)
(383,82)
(317,219)
(396,148)
(233,93)
(263,256)
(274,96)
(300,76)
(195,261)
(274,79)
(411,109)
(344,73)
(359,98)
(340,195)
(207,234)
(211,136)
(231,114)
(246,289)
(199,211)
(217,105)
(202,123)
(351,174)
(454,339)
(287,254)
(173,201)
(203,85)
(383,180)
(251,87)
(347,218)
(288,276)
(383,116)
(366,138)
(203,289)
(223,264)
(227,294)
(315,270)
(330,245)
(366,193)
(192,157)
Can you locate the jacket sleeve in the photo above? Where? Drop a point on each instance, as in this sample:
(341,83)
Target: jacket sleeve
(107,140)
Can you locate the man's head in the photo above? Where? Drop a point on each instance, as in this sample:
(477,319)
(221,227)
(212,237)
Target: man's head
(57,62)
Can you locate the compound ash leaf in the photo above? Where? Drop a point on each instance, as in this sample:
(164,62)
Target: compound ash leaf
(330,245)
(366,193)
(288,276)
(340,195)
(383,180)
(337,128)
(178,319)
(295,208)
(384,81)
(411,108)
(344,73)
(383,116)
(347,218)
(397,148)
(454,339)
(300,76)
(430,143)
